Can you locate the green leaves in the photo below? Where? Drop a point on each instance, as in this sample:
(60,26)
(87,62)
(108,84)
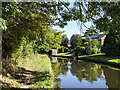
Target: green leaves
(2,24)
(112,43)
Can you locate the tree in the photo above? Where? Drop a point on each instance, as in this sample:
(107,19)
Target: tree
(89,46)
(78,48)
(95,43)
(64,40)
(74,40)
(27,23)
(112,43)
(91,31)
(105,15)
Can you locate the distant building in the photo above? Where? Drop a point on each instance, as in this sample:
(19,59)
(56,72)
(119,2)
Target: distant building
(101,37)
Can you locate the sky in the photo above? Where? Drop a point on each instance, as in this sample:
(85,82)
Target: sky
(72,27)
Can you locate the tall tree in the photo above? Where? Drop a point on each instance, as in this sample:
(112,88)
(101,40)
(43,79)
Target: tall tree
(28,22)
(74,40)
(64,40)
(91,31)
(105,15)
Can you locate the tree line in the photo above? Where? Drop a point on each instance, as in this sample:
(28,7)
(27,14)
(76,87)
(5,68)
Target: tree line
(27,25)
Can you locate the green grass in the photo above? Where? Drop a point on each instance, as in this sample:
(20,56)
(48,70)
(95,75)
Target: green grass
(102,57)
(43,78)
(38,62)
(97,57)
(36,67)
(65,54)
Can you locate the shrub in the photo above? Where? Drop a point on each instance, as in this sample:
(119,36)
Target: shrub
(63,49)
(98,51)
(94,51)
(112,43)
(89,46)
(95,43)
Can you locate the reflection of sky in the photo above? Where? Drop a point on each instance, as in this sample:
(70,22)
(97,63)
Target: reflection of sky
(70,81)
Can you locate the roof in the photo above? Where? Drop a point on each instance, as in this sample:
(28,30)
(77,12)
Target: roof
(96,36)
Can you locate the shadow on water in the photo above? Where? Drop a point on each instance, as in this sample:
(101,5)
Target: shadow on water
(85,75)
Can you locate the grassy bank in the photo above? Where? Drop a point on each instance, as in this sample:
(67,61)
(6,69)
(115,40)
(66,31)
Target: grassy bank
(101,57)
(30,72)
(65,54)
(96,57)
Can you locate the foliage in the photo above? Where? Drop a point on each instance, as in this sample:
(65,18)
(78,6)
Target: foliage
(26,25)
(110,22)
(95,43)
(74,40)
(105,15)
(29,22)
(50,39)
(3,24)
(91,31)
(64,40)
(98,51)
(89,46)
(79,48)
(63,49)
(112,43)
(94,51)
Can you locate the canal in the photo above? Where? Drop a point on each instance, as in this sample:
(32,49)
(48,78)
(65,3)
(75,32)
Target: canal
(80,74)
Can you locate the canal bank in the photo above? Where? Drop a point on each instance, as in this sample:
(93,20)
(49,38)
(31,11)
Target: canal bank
(97,58)
(30,72)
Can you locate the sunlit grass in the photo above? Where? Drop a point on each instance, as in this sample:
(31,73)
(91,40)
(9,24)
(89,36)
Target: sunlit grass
(102,57)
(96,57)
(65,54)
(8,82)
(42,64)
(36,67)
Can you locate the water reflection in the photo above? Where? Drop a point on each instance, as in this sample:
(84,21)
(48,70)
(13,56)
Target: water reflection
(84,75)
(54,59)
(88,71)
(112,78)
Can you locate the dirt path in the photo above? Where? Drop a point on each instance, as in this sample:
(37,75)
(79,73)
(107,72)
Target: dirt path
(27,80)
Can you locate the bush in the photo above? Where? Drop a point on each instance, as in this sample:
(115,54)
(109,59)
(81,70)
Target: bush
(112,43)
(94,51)
(95,43)
(89,46)
(98,51)
(63,49)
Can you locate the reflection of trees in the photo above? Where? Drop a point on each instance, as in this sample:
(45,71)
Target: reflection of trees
(64,67)
(112,78)
(64,70)
(90,71)
(56,69)
(58,82)
(60,67)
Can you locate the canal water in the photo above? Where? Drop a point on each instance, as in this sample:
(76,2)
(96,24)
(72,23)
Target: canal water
(80,74)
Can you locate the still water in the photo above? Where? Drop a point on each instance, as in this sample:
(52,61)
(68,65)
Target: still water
(81,74)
